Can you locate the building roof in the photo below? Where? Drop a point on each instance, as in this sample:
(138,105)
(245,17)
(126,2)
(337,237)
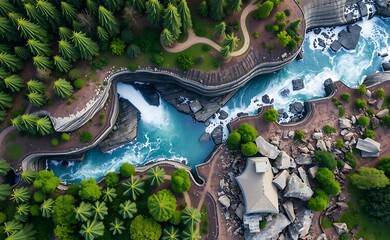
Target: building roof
(259,193)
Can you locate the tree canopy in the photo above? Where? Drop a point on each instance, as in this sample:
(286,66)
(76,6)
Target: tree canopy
(325,159)
(144,228)
(248,132)
(90,191)
(46,181)
(368,178)
(162,205)
(180,180)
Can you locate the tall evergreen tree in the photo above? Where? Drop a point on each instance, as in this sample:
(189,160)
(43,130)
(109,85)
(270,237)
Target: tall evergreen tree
(28,232)
(68,11)
(172,20)
(49,11)
(190,216)
(231,41)
(167,38)
(7,31)
(138,5)
(12,227)
(234,5)
(83,212)
(109,194)
(102,34)
(16,122)
(154,10)
(185,15)
(42,62)
(220,30)
(156,176)
(63,88)
(14,16)
(30,30)
(92,7)
(134,187)
(28,176)
(39,48)
(190,233)
(44,126)
(225,52)
(22,52)
(36,99)
(5,191)
(4,167)
(113,5)
(68,51)
(203,9)
(14,83)
(5,100)
(5,7)
(217,9)
(35,16)
(36,86)
(29,122)
(65,33)
(11,62)
(62,64)
(127,209)
(108,21)
(100,210)
(86,46)
(47,207)
(20,195)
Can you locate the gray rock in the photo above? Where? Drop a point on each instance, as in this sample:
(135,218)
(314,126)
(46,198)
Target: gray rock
(271,230)
(285,92)
(216,135)
(313,171)
(348,136)
(296,188)
(353,119)
(379,104)
(223,115)
(382,113)
(368,93)
(205,137)
(296,108)
(349,37)
(280,180)
(345,123)
(317,135)
(298,84)
(340,228)
(386,66)
(342,205)
(224,200)
(289,209)
(291,134)
(293,164)
(303,175)
(328,144)
(310,147)
(344,132)
(149,93)
(301,225)
(195,106)
(368,147)
(282,161)
(303,159)
(266,99)
(266,149)
(321,145)
(240,210)
(304,149)
(322,237)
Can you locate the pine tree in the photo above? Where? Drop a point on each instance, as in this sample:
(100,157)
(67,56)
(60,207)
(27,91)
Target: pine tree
(231,41)
(83,212)
(68,11)
(134,187)
(47,207)
(44,126)
(92,7)
(28,232)
(138,5)
(20,195)
(117,227)
(63,88)
(36,99)
(108,21)
(62,64)
(14,83)
(22,52)
(102,34)
(87,48)
(185,14)
(217,9)
(234,5)
(109,194)
(42,62)
(154,10)
(128,209)
(17,123)
(86,23)
(29,122)
(156,176)
(49,11)
(5,7)
(5,191)
(92,230)
(220,30)
(68,51)
(113,5)
(23,209)
(11,62)
(203,9)
(65,33)
(225,52)
(167,38)
(28,176)
(7,31)
(5,100)
(36,86)
(172,20)
(4,167)
(12,227)
(35,16)
(30,30)
(39,48)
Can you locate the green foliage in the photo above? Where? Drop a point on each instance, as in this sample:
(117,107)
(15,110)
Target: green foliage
(62,64)
(380,93)
(220,30)
(42,62)
(127,170)
(13,83)
(78,84)
(47,207)
(180,180)
(368,178)
(171,233)
(369,133)
(46,181)
(68,51)
(283,38)
(133,51)
(377,202)
(248,133)
(39,48)
(172,20)
(63,88)
(185,61)
(127,209)
(29,30)
(65,136)
(341,112)
(112,179)
(203,8)
(325,159)
(99,210)
(68,11)
(3,217)
(185,15)
(28,232)
(85,136)
(20,195)
(225,52)
(39,196)
(36,99)
(55,142)
(28,176)
(345,97)
(108,21)
(190,233)
(326,178)
(363,121)
(234,140)
(271,115)
(384,165)
(386,120)
(216,9)
(109,194)
(143,228)
(299,135)
(232,41)
(154,10)
(176,218)
(117,226)
(190,216)
(83,212)
(85,45)
(117,46)
(4,167)
(5,100)
(5,191)
(166,37)
(263,10)
(234,5)
(319,201)
(340,144)
(127,35)
(93,229)
(328,129)
(280,16)
(362,89)
(249,149)
(36,86)
(73,190)
(162,205)
(156,176)
(90,191)
(351,159)
(134,187)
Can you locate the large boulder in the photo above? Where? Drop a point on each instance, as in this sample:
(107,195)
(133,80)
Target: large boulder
(216,135)
(223,115)
(296,188)
(296,108)
(280,180)
(195,106)
(266,149)
(345,123)
(266,99)
(382,113)
(386,66)
(321,145)
(340,228)
(298,84)
(282,161)
(303,159)
(272,229)
(224,200)
(289,209)
(301,225)
(349,37)
(303,175)
(368,147)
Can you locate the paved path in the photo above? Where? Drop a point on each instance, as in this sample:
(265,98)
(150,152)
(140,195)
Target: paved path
(193,39)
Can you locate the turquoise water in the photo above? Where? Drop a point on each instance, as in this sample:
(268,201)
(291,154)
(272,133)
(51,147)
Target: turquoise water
(164,133)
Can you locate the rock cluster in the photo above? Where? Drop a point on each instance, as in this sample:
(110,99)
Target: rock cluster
(347,38)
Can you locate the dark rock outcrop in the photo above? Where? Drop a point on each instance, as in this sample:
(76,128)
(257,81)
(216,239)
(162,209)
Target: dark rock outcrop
(125,129)
(329,87)
(285,92)
(383,7)
(216,135)
(205,137)
(149,93)
(298,84)
(265,98)
(386,66)
(335,46)
(349,37)
(377,78)
(296,108)
(223,115)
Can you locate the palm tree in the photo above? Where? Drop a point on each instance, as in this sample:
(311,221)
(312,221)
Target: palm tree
(154,10)
(190,216)
(36,86)
(42,62)
(172,20)
(83,212)
(20,195)
(87,48)
(5,100)
(49,11)
(108,21)
(185,14)
(14,83)
(190,233)
(5,190)
(17,123)
(134,187)
(68,11)
(100,210)
(92,230)
(7,31)
(36,99)
(92,6)
(47,207)
(44,126)
(63,88)
(128,209)
(166,37)
(29,121)
(4,167)
(30,30)
(65,33)
(35,15)
(23,209)
(156,176)
(220,30)
(117,226)
(22,52)
(5,7)
(11,62)
(28,176)
(109,194)
(231,41)
(28,232)
(62,64)
(39,48)
(225,52)
(12,227)
(171,233)
(68,51)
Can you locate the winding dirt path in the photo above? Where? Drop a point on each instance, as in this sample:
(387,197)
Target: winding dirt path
(194,39)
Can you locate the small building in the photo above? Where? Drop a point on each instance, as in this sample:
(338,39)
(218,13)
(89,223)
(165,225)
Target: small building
(252,222)
(260,194)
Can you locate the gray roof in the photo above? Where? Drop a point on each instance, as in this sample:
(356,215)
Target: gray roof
(259,193)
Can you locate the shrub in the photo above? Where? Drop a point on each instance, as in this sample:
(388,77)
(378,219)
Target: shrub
(185,61)
(85,136)
(65,136)
(328,129)
(102,119)
(287,12)
(384,165)
(34,210)
(180,181)
(275,28)
(90,190)
(386,121)
(294,26)
(234,140)
(176,218)
(73,190)
(134,51)
(99,64)
(351,159)
(363,121)
(112,179)
(340,164)
(117,46)
(262,224)
(326,178)
(319,201)
(132,67)
(299,135)
(292,44)
(39,196)
(368,178)
(360,103)
(325,159)
(3,217)
(157,59)
(280,16)
(249,149)
(248,132)
(344,236)
(369,133)
(263,10)
(380,93)
(74,74)
(276,2)
(362,89)
(127,35)
(78,84)
(255,35)
(271,115)
(127,170)
(341,112)
(55,142)
(345,97)
(370,112)
(340,144)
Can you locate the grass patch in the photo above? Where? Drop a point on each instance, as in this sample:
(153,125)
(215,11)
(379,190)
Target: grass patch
(386,102)
(326,223)
(13,152)
(368,229)
(204,220)
(203,27)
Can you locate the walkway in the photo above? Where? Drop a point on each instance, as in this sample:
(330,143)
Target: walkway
(193,39)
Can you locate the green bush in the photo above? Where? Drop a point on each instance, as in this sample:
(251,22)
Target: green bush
(78,84)
(39,196)
(127,170)
(369,133)
(351,159)
(102,119)
(234,140)
(299,135)
(275,28)
(363,121)
(74,74)
(360,103)
(35,211)
(287,12)
(255,35)
(344,236)
(294,26)
(99,64)
(340,144)
(362,89)
(263,10)
(345,97)
(73,189)
(249,149)
(380,93)
(271,115)
(65,136)
(340,164)
(85,136)
(262,224)
(370,112)
(248,132)
(176,218)
(180,181)
(55,142)
(3,217)
(134,51)
(341,112)
(112,179)
(157,59)
(90,190)
(325,159)
(185,61)
(127,35)
(328,129)
(132,67)
(386,121)
(384,165)
(117,46)
(319,201)
(326,178)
